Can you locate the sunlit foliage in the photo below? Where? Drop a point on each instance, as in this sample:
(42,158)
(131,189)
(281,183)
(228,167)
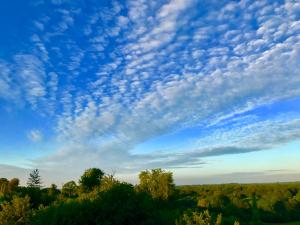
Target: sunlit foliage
(101,199)
(69,189)
(16,212)
(91,178)
(203,218)
(157,182)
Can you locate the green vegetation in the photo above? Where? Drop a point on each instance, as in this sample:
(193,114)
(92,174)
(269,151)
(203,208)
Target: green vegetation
(269,203)
(202,218)
(100,199)
(34,180)
(91,179)
(291,223)
(157,183)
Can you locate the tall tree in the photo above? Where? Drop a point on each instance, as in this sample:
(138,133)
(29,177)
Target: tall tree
(3,187)
(255,211)
(34,179)
(69,189)
(13,184)
(157,182)
(108,182)
(91,178)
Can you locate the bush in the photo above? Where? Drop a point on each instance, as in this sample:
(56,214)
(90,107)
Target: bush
(120,205)
(18,212)
(195,218)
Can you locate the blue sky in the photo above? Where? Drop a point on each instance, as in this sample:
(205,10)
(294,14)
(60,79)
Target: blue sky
(207,89)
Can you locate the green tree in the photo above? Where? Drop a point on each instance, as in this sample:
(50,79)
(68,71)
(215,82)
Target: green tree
(34,180)
(13,184)
(69,189)
(203,218)
(17,212)
(3,181)
(90,179)
(120,205)
(297,197)
(53,189)
(255,211)
(108,182)
(3,188)
(157,182)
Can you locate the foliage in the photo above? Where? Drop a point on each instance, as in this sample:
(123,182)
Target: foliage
(157,182)
(3,188)
(90,179)
(13,184)
(7,187)
(203,203)
(120,205)
(195,218)
(108,182)
(69,189)
(34,180)
(53,191)
(17,212)
(253,203)
(103,200)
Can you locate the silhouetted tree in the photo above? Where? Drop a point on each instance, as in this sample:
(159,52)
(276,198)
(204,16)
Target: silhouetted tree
(13,184)
(34,180)
(90,179)
(108,181)
(53,189)
(69,189)
(255,212)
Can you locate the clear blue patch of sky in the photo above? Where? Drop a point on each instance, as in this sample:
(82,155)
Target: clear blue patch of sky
(17,122)
(15,18)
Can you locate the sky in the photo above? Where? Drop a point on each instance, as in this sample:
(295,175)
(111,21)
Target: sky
(207,89)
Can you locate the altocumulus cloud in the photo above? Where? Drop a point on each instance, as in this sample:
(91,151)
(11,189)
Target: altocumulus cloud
(173,65)
(35,135)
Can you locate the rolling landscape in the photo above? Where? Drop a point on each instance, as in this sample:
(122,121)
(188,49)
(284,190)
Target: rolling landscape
(99,198)
(149,112)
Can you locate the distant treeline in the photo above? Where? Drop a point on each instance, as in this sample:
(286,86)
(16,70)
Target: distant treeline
(100,199)
(273,202)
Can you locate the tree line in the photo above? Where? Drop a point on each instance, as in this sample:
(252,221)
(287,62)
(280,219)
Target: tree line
(100,199)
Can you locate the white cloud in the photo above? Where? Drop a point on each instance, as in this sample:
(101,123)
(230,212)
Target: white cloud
(168,69)
(30,76)
(39,25)
(59,2)
(5,81)
(177,98)
(35,135)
